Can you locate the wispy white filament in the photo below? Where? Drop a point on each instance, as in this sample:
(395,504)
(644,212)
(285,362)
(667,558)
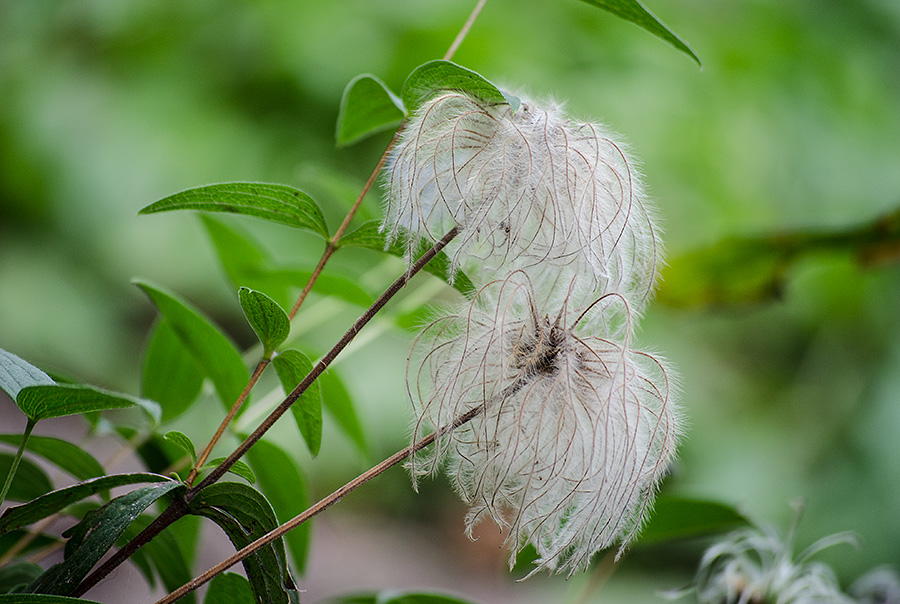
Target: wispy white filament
(576,431)
(530,189)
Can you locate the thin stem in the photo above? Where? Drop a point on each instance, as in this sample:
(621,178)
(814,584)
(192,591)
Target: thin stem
(231,413)
(465,30)
(323,364)
(15,464)
(316,508)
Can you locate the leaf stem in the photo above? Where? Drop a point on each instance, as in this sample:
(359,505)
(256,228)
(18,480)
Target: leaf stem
(465,30)
(316,508)
(15,464)
(231,413)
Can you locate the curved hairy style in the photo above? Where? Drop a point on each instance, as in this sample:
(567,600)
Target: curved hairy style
(576,430)
(530,190)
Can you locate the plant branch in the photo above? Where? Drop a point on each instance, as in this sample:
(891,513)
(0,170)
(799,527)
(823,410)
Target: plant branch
(316,508)
(231,413)
(15,464)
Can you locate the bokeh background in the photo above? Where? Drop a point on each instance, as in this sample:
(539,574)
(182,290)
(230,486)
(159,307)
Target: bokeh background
(792,123)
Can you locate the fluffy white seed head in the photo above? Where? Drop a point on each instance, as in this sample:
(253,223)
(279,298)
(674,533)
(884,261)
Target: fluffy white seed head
(530,190)
(575,434)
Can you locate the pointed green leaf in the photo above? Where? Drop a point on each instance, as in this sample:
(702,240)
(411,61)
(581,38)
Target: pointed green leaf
(71,458)
(368,236)
(244,514)
(436,76)
(54,501)
(210,348)
(164,556)
(170,375)
(238,468)
(18,574)
(229,588)
(16,373)
(183,442)
(292,366)
(267,319)
(29,482)
(105,527)
(680,518)
(275,203)
(42,599)
(337,401)
(285,487)
(367,107)
(58,400)
(632,10)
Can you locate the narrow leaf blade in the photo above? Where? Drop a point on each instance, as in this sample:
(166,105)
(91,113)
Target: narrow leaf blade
(16,373)
(435,76)
(71,458)
(229,588)
(183,442)
(368,106)
(58,400)
(292,366)
(634,11)
(238,468)
(267,319)
(276,203)
(30,481)
(210,348)
(337,401)
(679,518)
(170,375)
(42,599)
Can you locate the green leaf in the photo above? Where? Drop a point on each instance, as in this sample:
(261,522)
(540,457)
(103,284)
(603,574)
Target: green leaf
(632,10)
(743,271)
(54,501)
(42,599)
(368,236)
(238,468)
(285,486)
(436,76)
(210,348)
(18,574)
(276,203)
(267,319)
(29,482)
(338,402)
(58,400)
(71,458)
(35,543)
(245,515)
(394,597)
(164,556)
(368,106)
(326,285)
(292,366)
(229,588)
(183,442)
(100,532)
(679,518)
(16,374)
(170,375)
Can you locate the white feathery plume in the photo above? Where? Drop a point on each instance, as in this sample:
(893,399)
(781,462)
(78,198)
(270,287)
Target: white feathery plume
(575,434)
(529,189)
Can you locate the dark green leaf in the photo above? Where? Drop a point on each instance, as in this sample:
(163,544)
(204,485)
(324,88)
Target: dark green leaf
(18,574)
(164,555)
(238,468)
(15,374)
(285,486)
(9,539)
(267,319)
(105,527)
(292,366)
(245,515)
(276,203)
(210,348)
(57,400)
(229,588)
(337,401)
(42,599)
(368,106)
(679,518)
(393,597)
(29,482)
(369,237)
(71,458)
(170,375)
(54,501)
(742,271)
(183,442)
(436,76)
(632,10)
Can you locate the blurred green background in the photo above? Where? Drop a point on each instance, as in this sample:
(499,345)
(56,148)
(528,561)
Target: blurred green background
(793,122)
